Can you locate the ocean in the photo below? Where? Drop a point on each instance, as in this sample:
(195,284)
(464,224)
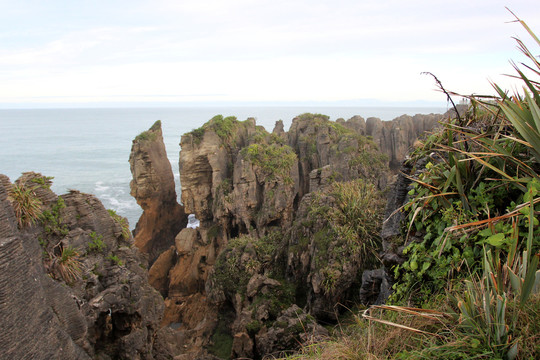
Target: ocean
(88,149)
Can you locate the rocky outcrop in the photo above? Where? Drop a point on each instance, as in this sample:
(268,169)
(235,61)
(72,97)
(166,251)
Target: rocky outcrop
(377,284)
(236,175)
(334,152)
(276,249)
(245,185)
(292,327)
(30,328)
(153,188)
(394,138)
(72,286)
(278,228)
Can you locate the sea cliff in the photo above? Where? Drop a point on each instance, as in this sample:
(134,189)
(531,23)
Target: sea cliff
(279,245)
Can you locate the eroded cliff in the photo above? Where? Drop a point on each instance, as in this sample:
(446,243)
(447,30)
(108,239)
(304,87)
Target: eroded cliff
(276,241)
(72,286)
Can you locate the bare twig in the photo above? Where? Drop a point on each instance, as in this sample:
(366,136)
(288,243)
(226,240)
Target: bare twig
(439,84)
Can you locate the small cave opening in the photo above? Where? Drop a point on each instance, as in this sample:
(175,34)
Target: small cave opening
(234,231)
(110,327)
(296,202)
(124,323)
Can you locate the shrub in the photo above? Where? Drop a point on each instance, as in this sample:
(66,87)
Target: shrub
(68,264)
(349,216)
(224,127)
(468,194)
(145,136)
(115,259)
(156,126)
(149,134)
(44,181)
(234,268)
(222,339)
(275,160)
(52,220)
(197,134)
(97,243)
(25,203)
(122,221)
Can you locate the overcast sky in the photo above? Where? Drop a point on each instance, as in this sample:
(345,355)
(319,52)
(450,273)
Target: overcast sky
(185,51)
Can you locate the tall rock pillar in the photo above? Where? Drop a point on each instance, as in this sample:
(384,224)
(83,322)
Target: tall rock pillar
(153,188)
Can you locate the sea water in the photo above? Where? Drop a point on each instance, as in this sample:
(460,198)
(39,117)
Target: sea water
(88,149)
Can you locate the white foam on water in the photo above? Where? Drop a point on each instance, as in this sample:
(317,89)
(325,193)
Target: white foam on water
(100,187)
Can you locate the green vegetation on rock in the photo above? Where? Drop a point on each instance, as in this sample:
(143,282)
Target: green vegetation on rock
(115,259)
(26,205)
(52,219)
(351,216)
(275,160)
(97,244)
(122,221)
(222,126)
(67,265)
(222,339)
(44,181)
(149,135)
(243,257)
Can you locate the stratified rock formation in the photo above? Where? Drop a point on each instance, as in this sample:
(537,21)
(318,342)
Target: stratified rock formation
(30,328)
(71,283)
(245,185)
(289,221)
(394,138)
(153,188)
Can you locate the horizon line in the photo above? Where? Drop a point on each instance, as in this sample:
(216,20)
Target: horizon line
(168,104)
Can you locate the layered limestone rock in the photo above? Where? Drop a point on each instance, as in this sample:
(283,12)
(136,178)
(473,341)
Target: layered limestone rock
(237,175)
(153,188)
(334,152)
(394,138)
(30,328)
(236,178)
(245,184)
(71,283)
(277,227)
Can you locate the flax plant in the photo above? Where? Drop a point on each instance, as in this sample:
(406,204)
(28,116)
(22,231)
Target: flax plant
(524,112)
(26,205)
(68,264)
(485,306)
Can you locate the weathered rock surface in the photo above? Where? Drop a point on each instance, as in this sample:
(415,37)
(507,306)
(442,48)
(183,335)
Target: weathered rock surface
(394,138)
(30,328)
(72,285)
(153,188)
(377,284)
(292,327)
(336,152)
(262,246)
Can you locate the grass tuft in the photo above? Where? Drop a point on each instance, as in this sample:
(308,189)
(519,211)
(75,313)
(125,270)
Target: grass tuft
(26,205)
